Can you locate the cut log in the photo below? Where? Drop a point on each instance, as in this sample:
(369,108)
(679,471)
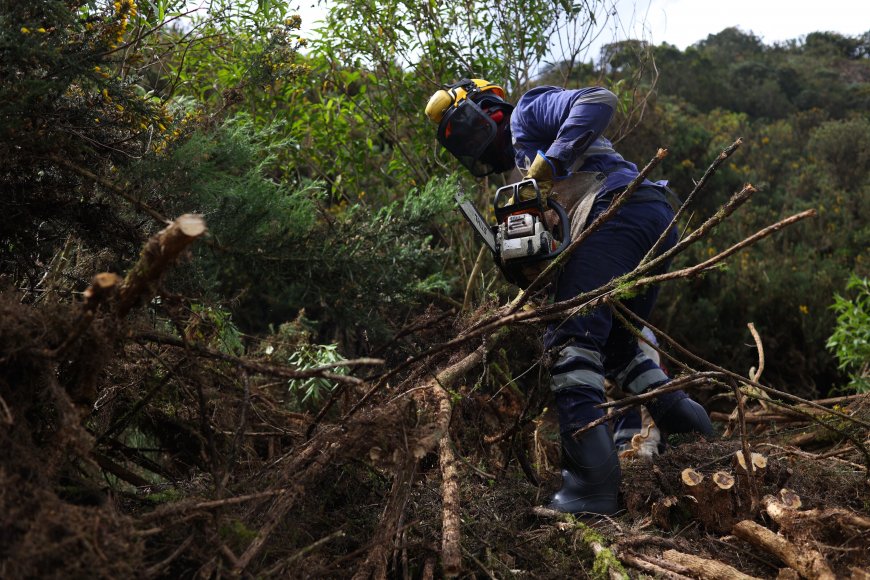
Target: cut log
(101,287)
(159,252)
(790,499)
(759,461)
(704,568)
(808,562)
(691,478)
(723,481)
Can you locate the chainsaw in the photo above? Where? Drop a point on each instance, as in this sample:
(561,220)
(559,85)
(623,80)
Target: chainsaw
(520,238)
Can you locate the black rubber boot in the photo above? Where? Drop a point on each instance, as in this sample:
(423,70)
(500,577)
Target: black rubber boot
(590,474)
(677,413)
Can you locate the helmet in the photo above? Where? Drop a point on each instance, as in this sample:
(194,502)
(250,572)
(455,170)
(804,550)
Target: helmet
(453,94)
(471,117)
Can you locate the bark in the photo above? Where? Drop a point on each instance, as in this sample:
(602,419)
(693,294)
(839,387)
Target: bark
(451,554)
(158,254)
(704,568)
(809,563)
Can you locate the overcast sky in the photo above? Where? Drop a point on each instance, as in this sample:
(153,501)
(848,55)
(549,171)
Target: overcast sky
(684,22)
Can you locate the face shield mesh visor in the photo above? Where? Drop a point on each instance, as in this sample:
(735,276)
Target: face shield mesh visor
(466,131)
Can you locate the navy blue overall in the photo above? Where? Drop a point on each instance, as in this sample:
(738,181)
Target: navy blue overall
(566,125)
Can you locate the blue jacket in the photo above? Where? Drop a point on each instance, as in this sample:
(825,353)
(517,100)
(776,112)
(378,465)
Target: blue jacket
(567,125)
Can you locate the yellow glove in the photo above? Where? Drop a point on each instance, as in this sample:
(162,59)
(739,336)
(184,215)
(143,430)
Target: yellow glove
(542,170)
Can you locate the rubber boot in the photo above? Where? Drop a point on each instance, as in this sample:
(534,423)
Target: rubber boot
(676,413)
(590,474)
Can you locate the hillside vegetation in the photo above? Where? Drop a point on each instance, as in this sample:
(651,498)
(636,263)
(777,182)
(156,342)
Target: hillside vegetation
(245,332)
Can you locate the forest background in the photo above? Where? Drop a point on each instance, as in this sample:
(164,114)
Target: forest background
(329,205)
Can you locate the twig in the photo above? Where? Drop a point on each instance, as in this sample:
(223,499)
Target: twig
(467,363)
(158,217)
(472,278)
(8,419)
(122,422)
(725,154)
(262,368)
(629,402)
(755,376)
(744,445)
(733,204)
(177,507)
(674,384)
(159,567)
(808,455)
(769,390)
(304,551)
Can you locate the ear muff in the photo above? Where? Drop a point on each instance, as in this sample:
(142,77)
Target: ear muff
(453,95)
(438,105)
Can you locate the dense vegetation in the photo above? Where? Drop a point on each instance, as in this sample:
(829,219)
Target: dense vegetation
(324,190)
(803,109)
(330,218)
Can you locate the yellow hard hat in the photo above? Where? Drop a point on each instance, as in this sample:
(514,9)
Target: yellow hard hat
(454,94)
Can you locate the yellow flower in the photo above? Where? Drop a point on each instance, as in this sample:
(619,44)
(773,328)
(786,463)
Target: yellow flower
(40,30)
(25,30)
(803,308)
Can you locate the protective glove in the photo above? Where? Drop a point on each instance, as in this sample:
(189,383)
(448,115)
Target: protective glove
(544,171)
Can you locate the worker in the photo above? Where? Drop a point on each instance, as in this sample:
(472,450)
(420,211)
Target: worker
(555,136)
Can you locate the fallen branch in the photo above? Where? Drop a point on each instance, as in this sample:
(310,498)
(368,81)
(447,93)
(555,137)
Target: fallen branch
(704,568)
(605,561)
(808,562)
(156,256)
(655,566)
(786,517)
(375,564)
(451,555)
(263,368)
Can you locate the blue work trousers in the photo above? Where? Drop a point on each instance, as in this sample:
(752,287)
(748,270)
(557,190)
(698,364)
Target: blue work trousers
(594,345)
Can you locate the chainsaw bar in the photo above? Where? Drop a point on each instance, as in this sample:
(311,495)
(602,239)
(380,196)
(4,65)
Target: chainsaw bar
(476,220)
